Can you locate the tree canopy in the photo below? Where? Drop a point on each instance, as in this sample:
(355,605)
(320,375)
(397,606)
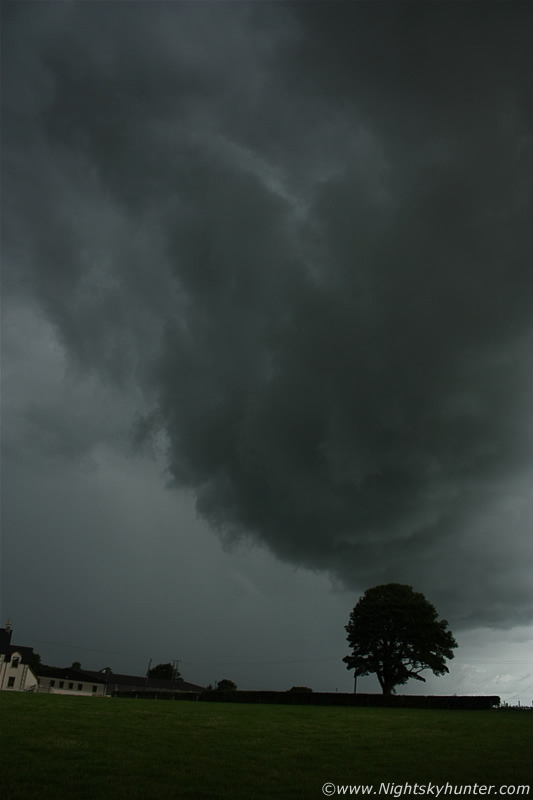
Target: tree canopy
(225,685)
(395,633)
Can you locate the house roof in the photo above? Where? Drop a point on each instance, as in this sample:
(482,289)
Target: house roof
(70,674)
(7,649)
(140,682)
(25,653)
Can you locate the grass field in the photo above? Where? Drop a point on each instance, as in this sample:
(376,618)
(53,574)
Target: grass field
(61,747)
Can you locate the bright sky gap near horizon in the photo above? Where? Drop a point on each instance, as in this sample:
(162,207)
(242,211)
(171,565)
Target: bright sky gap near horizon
(267,323)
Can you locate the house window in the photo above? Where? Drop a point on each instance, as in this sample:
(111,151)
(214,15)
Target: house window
(71,686)
(61,684)
(52,683)
(95,689)
(80,687)
(15,662)
(10,683)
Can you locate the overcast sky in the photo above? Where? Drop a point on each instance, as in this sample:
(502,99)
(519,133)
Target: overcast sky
(267,294)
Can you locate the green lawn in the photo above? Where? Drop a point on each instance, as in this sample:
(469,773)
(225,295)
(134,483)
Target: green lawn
(61,747)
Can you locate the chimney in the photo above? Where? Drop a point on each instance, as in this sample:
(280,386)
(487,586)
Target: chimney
(5,636)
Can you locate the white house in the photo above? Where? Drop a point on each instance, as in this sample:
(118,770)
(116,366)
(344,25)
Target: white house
(16,673)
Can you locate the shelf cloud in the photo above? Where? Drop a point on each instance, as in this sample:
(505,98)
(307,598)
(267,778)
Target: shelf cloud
(297,240)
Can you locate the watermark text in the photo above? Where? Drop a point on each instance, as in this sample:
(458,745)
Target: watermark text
(331,789)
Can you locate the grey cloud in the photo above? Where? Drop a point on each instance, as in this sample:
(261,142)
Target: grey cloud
(307,239)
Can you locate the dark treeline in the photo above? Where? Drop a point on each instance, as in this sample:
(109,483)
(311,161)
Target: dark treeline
(476,703)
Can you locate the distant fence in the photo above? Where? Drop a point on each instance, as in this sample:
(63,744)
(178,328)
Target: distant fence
(476,703)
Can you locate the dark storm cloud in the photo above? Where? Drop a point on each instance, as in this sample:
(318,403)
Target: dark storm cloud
(305,232)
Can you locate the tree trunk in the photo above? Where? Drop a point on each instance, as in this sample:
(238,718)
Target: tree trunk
(387,686)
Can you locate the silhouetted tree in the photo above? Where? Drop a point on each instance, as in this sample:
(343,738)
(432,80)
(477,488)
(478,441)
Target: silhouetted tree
(225,685)
(394,632)
(76,665)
